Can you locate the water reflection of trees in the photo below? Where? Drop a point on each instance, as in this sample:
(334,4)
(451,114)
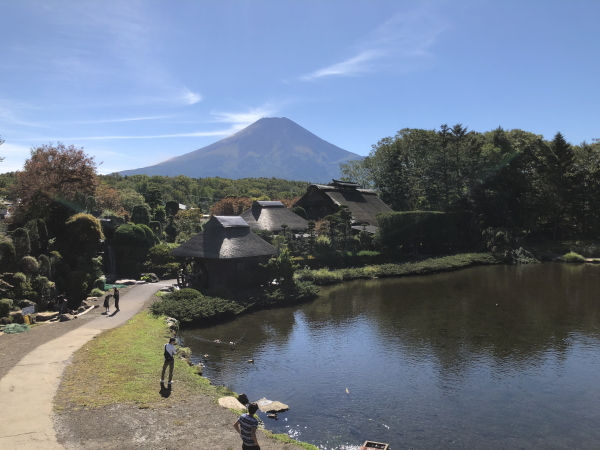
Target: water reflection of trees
(452,317)
(515,316)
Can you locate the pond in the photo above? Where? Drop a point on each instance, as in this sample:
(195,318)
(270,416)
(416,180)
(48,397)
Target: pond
(489,357)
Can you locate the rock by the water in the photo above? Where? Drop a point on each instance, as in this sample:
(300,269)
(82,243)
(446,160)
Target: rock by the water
(230,402)
(243,399)
(270,406)
(45,316)
(126,282)
(67,317)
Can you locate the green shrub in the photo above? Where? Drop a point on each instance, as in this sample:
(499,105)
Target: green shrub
(20,239)
(320,276)
(99,284)
(29,265)
(131,245)
(573,257)
(8,257)
(141,214)
(6,306)
(76,287)
(300,290)
(160,262)
(96,292)
(185,294)
(188,305)
(80,237)
(45,266)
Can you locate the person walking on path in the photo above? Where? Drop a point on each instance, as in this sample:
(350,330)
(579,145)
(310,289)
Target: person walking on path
(246,427)
(169,360)
(107,303)
(116,296)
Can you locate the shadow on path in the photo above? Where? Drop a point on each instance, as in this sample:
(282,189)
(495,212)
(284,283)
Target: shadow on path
(164,392)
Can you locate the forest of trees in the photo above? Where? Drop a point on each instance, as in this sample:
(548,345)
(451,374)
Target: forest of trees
(511,179)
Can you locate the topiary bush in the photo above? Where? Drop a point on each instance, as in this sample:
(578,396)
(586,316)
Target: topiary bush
(45,266)
(131,245)
(6,306)
(8,257)
(100,284)
(160,261)
(96,292)
(29,266)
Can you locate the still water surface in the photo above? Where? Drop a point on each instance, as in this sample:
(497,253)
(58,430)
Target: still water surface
(489,357)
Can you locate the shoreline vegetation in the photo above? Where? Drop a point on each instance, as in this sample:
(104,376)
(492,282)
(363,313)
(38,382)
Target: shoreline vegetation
(125,365)
(192,307)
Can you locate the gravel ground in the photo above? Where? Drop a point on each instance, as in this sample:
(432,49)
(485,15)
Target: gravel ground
(197,423)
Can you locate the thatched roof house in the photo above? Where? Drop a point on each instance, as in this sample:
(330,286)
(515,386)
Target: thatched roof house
(225,253)
(321,201)
(271,215)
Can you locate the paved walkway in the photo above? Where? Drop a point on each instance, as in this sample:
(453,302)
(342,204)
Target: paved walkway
(27,391)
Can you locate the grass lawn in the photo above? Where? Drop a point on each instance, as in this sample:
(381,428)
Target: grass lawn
(123,365)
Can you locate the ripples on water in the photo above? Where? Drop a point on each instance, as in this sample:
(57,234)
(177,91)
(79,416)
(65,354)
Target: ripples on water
(488,357)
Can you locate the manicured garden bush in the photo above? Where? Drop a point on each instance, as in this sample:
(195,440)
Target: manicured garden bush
(573,257)
(96,292)
(29,265)
(99,284)
(6,306)
(160,262)
(8,257)
(189,305)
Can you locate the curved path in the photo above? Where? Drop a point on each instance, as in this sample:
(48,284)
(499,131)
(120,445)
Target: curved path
(27,391)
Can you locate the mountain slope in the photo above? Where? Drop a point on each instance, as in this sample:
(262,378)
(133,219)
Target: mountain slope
(270,147)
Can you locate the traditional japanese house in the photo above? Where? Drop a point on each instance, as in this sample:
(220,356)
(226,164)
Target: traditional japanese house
(225,253)
(271,215)
(320,201)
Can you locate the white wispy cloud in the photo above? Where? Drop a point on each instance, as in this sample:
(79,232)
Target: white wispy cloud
(402,42)
(237,121)
(189,97)
(8,116)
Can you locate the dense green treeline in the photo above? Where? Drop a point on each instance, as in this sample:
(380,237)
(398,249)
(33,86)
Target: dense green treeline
(204,192)
(504,178)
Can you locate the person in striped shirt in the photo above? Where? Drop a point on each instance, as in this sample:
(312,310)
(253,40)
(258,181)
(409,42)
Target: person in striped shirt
(246,427)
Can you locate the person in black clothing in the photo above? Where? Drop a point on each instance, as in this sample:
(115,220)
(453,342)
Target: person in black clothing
(107,303)
(116,296)
(169,353)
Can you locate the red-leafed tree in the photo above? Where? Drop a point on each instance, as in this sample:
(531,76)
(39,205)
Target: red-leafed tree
(54,175)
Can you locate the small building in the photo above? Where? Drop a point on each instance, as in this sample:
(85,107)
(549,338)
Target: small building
(225,253)
(320,201)
(271,215)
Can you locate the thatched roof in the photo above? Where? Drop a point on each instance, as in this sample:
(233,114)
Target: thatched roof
(225,237)
(363,203)
(271,215)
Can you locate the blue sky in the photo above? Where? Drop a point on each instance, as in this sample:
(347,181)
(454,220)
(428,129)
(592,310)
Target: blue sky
(137,82)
